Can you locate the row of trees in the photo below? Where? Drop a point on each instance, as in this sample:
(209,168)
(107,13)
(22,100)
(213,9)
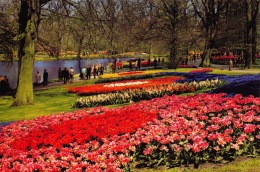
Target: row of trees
(173,26)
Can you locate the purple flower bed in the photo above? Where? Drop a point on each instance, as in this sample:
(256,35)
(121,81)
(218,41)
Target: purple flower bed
(3,124)
(242,84)
(190,77)
(246,88)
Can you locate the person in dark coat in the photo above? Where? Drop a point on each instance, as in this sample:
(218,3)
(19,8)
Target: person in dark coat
(60,74)
(139,63)
(130,65)
(155,62)
(95,71)
(88,72)
(65,73)
(45,78)
(149,62)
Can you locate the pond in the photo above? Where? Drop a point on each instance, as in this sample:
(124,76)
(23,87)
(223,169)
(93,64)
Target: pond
(11,71)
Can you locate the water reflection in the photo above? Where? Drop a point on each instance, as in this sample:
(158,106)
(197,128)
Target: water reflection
(51,66)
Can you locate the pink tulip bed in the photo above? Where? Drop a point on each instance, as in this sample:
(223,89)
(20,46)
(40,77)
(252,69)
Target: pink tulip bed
(201,70)
(170,131)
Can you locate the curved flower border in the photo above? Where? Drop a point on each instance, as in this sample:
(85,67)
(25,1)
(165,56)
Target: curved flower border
(175,130)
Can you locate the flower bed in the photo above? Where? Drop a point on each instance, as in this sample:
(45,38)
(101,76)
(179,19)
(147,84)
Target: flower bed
(146,93)
(245,86)
(131,95)
(123,78)
(114,78)
(120,86)
(131,73)
(170,131)
(239,84)
(187,66)
(201,70)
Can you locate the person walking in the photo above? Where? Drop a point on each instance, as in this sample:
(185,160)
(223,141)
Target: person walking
(38,78)
(71,74)
(130,65)
(45,78)
(83,73)
(113,68)
(65,75)
(95,69)
(102,69)
(88,72)
(155,63)
(107,68)
(60,73)
(149,62)
(139,63)
(230,64)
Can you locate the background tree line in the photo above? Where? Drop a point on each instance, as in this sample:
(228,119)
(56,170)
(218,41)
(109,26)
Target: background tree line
(87,26)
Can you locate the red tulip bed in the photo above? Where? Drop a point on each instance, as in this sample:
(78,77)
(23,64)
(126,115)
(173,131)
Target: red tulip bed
(122,85)
(201,70)
(170,131)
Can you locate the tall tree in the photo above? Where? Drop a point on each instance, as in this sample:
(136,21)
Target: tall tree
(252,8)
(52,29)
(210,12)
(29,19)
(171,19)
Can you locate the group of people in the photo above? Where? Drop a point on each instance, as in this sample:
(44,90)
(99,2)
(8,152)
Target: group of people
(94,70)
(117,66)
(38,78)
(155,63)
(66,75)
(4,85)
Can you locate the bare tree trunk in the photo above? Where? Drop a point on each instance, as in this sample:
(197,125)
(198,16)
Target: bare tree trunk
(29,21)
(255,11)
(248,36)
(252,8)
(205,58)
(173,60)
(79,51)
(254,43)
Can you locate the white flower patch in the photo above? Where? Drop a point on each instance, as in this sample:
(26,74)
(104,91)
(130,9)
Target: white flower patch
(125,84)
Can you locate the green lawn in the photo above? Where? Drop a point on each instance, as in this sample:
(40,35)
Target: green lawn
(242,164)
(47,102)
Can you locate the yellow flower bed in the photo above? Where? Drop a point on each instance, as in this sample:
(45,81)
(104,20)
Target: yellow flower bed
(114,75)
